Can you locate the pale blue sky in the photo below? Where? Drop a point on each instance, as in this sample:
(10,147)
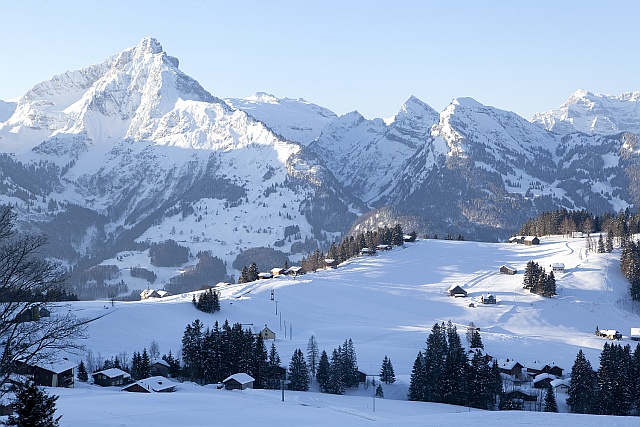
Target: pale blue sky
(370,56)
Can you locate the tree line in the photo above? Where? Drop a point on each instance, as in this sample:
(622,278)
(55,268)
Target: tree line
(537,281)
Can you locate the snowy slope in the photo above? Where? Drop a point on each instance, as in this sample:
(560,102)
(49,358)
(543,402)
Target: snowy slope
(295,119)
(387,304)
(6,109)
(593,114)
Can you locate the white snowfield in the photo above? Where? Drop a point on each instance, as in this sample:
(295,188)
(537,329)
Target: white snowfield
(387,305)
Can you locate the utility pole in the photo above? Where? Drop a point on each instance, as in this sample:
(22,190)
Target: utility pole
(373,389)
(276,308)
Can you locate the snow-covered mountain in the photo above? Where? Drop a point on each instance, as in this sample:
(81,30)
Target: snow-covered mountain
(295,119)
(131,151)
(594,114)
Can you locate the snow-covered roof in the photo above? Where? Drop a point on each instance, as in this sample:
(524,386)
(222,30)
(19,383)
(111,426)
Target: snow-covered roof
(56,367)
(560,381)
(329,260)
(507,266)
(541,377)
(161,362)
(295,268)
(112,373)
(163,294)
(157,383)
(242,378)
(557,265)
(530,238)
(507,364)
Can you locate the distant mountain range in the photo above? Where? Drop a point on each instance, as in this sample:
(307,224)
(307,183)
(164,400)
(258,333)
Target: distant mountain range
(133,150)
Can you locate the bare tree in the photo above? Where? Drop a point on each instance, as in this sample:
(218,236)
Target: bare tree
(154,350)
(31,330)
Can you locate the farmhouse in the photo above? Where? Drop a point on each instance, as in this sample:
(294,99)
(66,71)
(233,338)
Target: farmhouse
(505,269)
(149,293)
(537,368)
(238,381)
(611,334)
(277,271)
(457,291)
(266,333)
(488,299)
(384,247)
(163,294)
(151,385)
(111,377)
(263,276)
(295,270)
(32,314)
(367,251)
(560,385)
(557,267)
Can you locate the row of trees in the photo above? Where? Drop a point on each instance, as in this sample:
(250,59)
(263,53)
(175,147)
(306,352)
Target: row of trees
(352,246)
(630,266)
(612,390)
(444,373)
(340,372)
(565,222)
(538,281)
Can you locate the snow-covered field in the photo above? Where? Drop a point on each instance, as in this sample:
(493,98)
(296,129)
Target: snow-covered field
(387,305)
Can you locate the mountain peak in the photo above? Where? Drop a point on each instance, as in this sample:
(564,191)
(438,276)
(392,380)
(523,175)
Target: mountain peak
(148,45)
(467,102)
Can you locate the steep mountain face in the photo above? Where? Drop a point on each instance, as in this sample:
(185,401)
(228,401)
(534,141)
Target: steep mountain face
(6,109)
(594,114)
(295,119)
(368,155)
(133,149)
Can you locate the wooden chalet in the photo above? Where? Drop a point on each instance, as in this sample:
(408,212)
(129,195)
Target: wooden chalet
(111,377)
(384,247)
(543,380)
(331,263)
(531,240)
(152,385)
(611,334)
(362,377)
(505,269)
(238,381)
(560,385)
(159,368)
(510,367)
(537,368)
(520,395)
(457,291)
(557,267)
(295,270)
(163,294)
(32,314)
(263,276)
(149,293)
(488,299)
(52,374)
(277,271)
(367,251)
(516,239)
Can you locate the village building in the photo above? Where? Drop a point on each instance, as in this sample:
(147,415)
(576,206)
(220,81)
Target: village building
(331,263)
(240,381)
(611,334)
(266,333)
(537,368)
(111,377)
(488,299)
(159,367)
(367,251)
(577,234)
(510,367)
(560,385)
(516,239)
(51,374)
(531,240)
(155,384)
(457,291)
(163,294)
(557,267)
(505,269)
(362,377)
(263,276)
(384,247)
(543,380)
(295,270)
(32,314)
(149,293)
(277,271)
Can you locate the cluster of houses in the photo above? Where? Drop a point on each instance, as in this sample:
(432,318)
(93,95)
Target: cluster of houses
(524,240)
(538,374)
(458,292)
(152,293)
(32,314)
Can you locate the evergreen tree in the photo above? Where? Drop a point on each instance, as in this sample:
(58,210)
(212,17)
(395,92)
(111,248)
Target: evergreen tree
(349,365)
(192,354)
(322,375)
(613,392)
(145,365)
(387,375)
(260,362)
(434,361)
(174,364)
(298,372)
(33,408)
(455,367)
(550,404)
(273,369)
(549,286)
(601,248)
(476,340)
(609,241)
(417,383)
(313,355)
(83,376)
(336,384)
(379,391)
(253,272)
